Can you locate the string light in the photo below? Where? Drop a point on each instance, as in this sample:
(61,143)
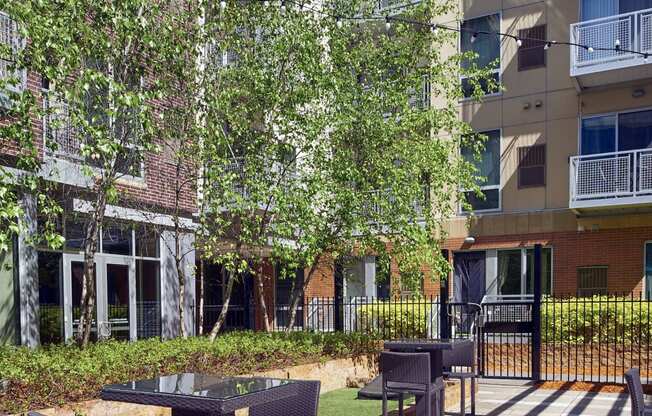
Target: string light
(223,5)
(338,22)
(436,27)
(266,3)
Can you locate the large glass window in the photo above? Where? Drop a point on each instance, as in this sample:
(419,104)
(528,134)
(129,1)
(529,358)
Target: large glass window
(50,295)
(117,239)
(512,280)
(488,169)
(616,132)
(486,48)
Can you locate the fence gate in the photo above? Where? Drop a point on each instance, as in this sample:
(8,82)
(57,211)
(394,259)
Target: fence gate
(506,336)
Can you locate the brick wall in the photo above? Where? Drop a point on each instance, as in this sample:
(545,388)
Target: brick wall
(621,250)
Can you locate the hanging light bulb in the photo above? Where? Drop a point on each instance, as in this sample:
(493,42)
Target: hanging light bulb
(434,28)
(283,8)
(547,46)
(474,37)
(223,5)
(338,22)
(388,23)
(266,3)
(617,43)
(519,42)
(590,49)
(645,58)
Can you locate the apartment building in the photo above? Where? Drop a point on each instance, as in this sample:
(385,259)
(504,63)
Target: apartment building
(136,278)
(568,158)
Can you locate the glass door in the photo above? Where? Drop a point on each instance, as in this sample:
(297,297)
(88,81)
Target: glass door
(73,271)
(117,300)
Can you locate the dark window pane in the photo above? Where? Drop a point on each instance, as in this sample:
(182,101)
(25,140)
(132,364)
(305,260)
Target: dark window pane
(147,242)
(116,239)
(148,298)
(491,200)
(635,130)
(486,46)
(77,277)
(76,234)
(648,270)
(488,165)
(468,86)
(50,305)
(598,135)
(509,272)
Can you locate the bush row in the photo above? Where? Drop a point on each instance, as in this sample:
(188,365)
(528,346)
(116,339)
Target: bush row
(59,374)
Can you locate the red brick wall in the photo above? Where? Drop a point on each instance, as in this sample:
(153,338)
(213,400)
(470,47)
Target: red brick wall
(619,249)
(322,284)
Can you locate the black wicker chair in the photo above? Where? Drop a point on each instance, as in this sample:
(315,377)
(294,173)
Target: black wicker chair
(633,378)
(409,373)
(462,357)
(306,403)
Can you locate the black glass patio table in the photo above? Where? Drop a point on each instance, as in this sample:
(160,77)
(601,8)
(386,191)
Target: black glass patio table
(436,349)
(202,395)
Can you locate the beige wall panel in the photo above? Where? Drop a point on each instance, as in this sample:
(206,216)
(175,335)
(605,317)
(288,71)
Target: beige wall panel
(508,4)
(518,83)
(475,8)
(615,99)
(514,199)
(560,14)
(482,116)
(561,145)
(562,104)
(515,112)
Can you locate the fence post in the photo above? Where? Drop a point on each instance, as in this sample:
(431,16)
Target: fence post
(444,327)
(338,324)
(536,316)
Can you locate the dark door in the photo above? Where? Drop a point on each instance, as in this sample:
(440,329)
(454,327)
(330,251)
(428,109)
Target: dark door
(469,277)
(284,287)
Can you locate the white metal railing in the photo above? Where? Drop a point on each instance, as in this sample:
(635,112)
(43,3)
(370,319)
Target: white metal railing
(374,205)
(628,31)
(60,136)
(394,5)
(10,37)
(607,177)
(237,167)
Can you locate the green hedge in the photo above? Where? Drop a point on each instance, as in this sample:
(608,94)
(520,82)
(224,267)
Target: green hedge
(60,374)
(390,320)
(600,319)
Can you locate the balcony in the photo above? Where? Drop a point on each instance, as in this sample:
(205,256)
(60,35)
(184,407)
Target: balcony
(602,64)
(611,180)
(374,208)
(271,169)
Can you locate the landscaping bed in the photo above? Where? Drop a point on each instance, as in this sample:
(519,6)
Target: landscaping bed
(53,376)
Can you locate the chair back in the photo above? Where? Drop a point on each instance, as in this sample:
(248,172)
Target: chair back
(635,388)
(399,367)
(305,403)
(460,356)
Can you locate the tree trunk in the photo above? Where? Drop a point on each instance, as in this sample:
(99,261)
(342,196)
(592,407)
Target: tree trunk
(88,290)
(201,299)
(298,294)
(225,308)
(258,277)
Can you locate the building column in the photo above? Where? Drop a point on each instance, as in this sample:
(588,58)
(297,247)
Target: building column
(170,285)
(491,272)
(28,274)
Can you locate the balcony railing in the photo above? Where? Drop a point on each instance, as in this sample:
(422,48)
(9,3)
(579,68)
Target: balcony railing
(373,206)
(611,179)
(237,167)
(628,32)
(60,135)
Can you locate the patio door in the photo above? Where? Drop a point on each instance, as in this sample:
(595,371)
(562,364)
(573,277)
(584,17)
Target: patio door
(115,288)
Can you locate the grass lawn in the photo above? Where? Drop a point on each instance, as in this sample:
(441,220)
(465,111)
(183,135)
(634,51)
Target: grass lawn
(344,402)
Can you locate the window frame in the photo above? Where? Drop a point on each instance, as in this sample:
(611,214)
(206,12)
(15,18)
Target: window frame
(488,187)
(20,73)
(520,165)
(524,267)
(520,66)
(593,289)
(497,71)
(607,114)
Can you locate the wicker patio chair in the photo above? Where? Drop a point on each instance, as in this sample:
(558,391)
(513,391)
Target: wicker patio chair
(635,388)
(306,403)
(462,357)
(409,373)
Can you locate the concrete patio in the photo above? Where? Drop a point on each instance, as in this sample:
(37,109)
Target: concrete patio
(516,398)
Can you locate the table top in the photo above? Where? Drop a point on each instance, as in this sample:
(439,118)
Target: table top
(425,344)
(202,392)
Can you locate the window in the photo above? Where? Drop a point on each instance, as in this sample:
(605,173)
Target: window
(532,166)
(50,297)
(592,280)
(616,132)
(487,50)
(513,279)
(9,37)
(532,53)
(488,169)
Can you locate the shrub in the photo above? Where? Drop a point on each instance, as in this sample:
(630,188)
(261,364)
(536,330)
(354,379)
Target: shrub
(58,374)
(598,319)
(390,320)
